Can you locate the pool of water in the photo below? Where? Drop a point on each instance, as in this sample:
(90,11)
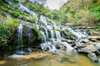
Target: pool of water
(49,61)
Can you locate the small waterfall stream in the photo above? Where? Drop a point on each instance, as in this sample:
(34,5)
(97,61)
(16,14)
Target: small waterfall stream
(20,34)
(20,50)
(25,9)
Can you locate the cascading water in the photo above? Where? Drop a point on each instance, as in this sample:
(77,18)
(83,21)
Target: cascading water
(79,35)
(57,32)
(20,46)
(25,9)
(20,34)
(19,49)
(52,36)
(52,41)
(30,35)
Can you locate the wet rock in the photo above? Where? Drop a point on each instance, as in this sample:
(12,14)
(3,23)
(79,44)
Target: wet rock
(97,45)
(8,1)
(93,57)
(96,61)
(94,38)
(95,33)
(85,41)
(20,52)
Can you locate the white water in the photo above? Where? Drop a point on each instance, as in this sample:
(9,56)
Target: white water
(50,43)
(25,9)
(77,33)
(20,33)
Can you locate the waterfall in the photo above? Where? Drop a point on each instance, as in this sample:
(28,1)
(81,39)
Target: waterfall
(57,32)
(20,35)
(52,38)
(77,33)
(51,35)
(25,9)
(38,1)
(44,26)
(80,36)
(29,35)
(20,46)
(20,49)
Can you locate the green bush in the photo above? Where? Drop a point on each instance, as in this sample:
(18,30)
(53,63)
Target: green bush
(95,11)
(7,28)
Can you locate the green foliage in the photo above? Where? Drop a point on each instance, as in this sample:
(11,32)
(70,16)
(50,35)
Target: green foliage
(39,9)
(7,28)
(15,12)
(95,11)
(78,12)
(98,27)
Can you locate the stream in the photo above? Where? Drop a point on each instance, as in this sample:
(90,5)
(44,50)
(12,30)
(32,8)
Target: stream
(48,61)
